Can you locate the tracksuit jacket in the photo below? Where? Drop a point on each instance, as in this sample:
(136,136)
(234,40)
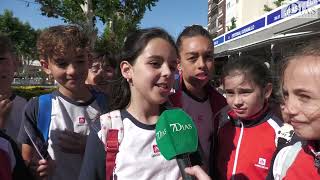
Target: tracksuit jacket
(296,160)
(245,147)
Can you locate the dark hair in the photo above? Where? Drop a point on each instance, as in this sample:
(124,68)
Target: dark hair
(133,47)
(104,57)
(6,44)
(191,31)
(56,38)
(253,68)
(109,57)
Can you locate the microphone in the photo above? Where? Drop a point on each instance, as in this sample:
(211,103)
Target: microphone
(177,137)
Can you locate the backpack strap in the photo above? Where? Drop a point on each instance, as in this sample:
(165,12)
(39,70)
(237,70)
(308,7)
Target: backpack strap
(284,160)
(44,115)
(101,99)
(111,134)
(288,147)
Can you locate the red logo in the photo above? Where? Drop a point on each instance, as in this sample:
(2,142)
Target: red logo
(155,149)
(262,161)
(200,118)
(82,120)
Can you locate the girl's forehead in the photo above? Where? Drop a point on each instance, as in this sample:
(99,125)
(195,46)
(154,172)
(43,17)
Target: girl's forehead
(234,76)
(238,79)
(237,76)
(303,73)
(196,43)
(304,66)
(159,47)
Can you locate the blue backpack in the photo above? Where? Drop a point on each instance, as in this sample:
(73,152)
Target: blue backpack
(45,106)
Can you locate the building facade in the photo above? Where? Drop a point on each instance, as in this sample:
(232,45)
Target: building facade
(245,11)
(271,36)
(216,17)
(222,12)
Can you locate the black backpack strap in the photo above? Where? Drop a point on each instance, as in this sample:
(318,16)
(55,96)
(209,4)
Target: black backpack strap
(102,101)
(284,137)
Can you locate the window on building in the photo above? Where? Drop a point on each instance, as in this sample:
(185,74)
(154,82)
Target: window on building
(220,23)
(228,5)
(213,23)
(220,10)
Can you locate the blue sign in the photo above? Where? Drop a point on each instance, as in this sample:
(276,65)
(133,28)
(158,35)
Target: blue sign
(218,41)
(246,29)
(274,17)
(302,6)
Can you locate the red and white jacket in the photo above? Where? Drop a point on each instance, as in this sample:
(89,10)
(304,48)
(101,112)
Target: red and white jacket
(296,162)
(245,147)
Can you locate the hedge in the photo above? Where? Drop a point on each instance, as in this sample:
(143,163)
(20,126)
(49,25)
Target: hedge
(32,91)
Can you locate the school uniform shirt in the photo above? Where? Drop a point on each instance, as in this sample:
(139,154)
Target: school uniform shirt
(299,162)
(65,114)
(202,112)
(12,166)
(245,147)
(14,120)
(138,156)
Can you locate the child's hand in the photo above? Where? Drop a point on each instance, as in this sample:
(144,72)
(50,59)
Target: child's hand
(42,169)
(72,142)
(197,172)
(45,168)
(5,107)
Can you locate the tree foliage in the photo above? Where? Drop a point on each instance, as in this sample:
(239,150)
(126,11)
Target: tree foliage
(233,24)
(277,3)
(119,16)
(266,8)
(23,36)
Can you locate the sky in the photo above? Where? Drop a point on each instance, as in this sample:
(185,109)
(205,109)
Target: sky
(171,15)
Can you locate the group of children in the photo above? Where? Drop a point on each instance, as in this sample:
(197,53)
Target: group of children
(106,130)
(296,154)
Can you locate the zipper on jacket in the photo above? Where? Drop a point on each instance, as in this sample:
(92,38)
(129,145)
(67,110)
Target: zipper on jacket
(237,151)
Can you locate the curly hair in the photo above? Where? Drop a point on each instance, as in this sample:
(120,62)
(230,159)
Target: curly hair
(56,40)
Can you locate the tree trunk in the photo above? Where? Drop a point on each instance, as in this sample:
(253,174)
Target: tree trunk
(89,26)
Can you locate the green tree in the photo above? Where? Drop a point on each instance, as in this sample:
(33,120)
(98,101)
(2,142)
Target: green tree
(277,3)
(233,24)
(114,34)
(22,35)
(266,8)
(119,16)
